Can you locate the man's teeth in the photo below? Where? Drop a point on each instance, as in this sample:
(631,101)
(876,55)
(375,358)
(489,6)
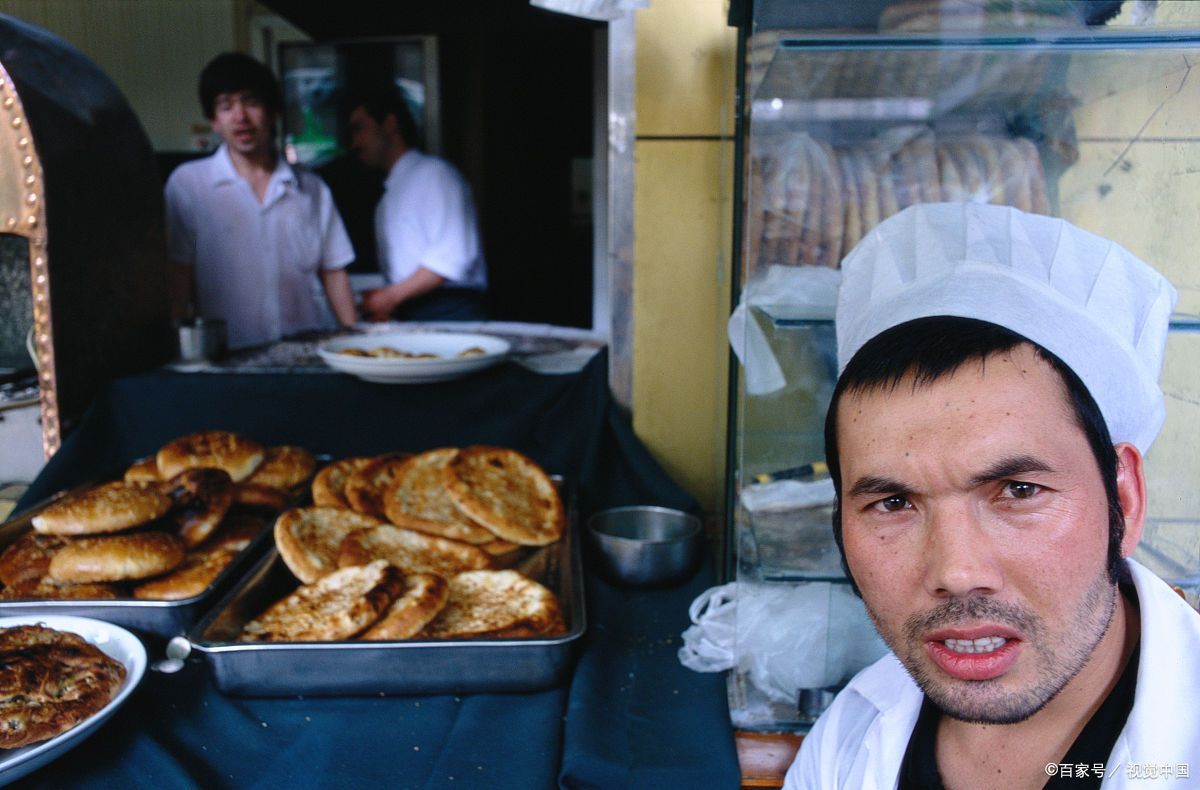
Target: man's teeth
(985,645)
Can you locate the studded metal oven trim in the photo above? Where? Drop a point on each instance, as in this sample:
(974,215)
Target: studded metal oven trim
(23,213)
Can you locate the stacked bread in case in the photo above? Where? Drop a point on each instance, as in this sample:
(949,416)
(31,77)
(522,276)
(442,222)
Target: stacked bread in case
(417,546)
(165,531)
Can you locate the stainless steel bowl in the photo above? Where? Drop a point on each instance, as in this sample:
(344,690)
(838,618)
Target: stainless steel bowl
(646,546)
(202,340)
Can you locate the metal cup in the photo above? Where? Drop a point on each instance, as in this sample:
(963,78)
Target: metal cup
(202,340)
(647,546)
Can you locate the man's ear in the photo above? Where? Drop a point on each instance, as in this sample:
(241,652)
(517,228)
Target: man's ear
(1131,489)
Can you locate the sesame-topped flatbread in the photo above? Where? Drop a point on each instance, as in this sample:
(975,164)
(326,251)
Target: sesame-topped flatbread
(424,596)
(328,487)
(496,604)
(336,607)
(110,507)
(308,538)
(365,489)
(508,493)
(50,681)
(237,454)
(411,551)
(284,467)
(418,499)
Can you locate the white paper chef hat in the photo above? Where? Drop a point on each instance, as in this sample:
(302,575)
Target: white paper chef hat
(1089,301)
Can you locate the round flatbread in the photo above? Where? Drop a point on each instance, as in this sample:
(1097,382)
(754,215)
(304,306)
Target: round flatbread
(308,538)
(411,551)
(328,487)
(336,607)
(508,493)
(202,497)
(424,596)
(117,558)
(110,507)
(417,499)
(365,489)
(192,577)
(260,496)
(284,467)
(47,589)
(496,604)
(27,559)
(50,681)
(237,454)
(236,532)
(144,470)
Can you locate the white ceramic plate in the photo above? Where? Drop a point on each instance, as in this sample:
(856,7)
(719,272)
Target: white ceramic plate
(114,641)
(445,365)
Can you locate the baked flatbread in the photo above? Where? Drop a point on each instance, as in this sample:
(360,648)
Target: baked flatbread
(237,454)
(328,487)
(50,681)
(411,551)
(144,470)
(110,507)
(202,497)
(308,538)
(496,604)
(261,496)
(27,558)
(424,596)
(284,467)
(47,589)
(115,558)
(192,577)
(365,489)
(336,607)
(508,493)
(236,532)
(418,499)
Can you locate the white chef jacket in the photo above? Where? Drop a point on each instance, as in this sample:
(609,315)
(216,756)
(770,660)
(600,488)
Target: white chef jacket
(256,263)
(426,217)
(860,741)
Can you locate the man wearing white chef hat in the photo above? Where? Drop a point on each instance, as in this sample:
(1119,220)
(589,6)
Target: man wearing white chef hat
(998,387)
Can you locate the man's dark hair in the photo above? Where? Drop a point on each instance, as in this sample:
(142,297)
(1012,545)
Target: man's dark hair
(931,348)
(232,72)
(379,100)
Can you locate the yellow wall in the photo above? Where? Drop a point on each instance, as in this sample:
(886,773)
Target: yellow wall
(682,229)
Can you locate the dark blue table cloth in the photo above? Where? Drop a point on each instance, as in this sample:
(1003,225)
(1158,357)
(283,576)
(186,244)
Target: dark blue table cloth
(629,715)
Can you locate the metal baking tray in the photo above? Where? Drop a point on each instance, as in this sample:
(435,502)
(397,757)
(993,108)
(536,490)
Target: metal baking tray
(165,618)
(274,669)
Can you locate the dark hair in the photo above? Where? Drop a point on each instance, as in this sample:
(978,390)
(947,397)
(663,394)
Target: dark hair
(233,71)
(379,100)
(930,348)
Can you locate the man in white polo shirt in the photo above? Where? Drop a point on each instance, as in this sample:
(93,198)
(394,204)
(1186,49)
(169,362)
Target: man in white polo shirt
(425,224)
(253,240)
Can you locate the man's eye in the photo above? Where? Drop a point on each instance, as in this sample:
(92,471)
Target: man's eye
(1019,490)
(891,504)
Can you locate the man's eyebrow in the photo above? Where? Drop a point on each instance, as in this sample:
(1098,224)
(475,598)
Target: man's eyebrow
(1014,466)
(874,485)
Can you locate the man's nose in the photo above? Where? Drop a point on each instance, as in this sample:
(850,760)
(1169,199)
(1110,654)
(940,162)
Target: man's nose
(959,556)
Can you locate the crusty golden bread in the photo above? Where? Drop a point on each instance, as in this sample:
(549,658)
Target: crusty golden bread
(411,551)
(202,497)
(328,487)
(47,589)
(27,558)
(424,596)
(284,467)
(261,496)
(417,499)
(114,558)
(190,578)
(508,493)
(365,488)
(487,604)
(110,507)
(236,532)
(144,470)
(237,454)
(336,607)
(50,681)
(308,538)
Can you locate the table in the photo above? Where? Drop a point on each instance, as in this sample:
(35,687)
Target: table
(629,716)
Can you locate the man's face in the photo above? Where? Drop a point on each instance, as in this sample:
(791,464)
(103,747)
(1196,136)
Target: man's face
(243,121)
(975,524)
(368,139)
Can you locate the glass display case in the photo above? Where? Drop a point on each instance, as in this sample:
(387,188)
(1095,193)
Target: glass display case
(1082,110)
